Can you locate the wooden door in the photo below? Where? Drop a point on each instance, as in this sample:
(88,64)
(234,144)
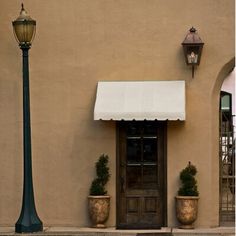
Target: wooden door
(141,174)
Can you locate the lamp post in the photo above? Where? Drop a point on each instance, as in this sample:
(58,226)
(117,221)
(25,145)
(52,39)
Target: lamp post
(24,29)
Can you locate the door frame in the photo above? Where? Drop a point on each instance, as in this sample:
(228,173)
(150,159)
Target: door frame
(118,225)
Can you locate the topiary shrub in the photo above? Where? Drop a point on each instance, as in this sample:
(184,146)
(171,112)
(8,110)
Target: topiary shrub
(189,183)
(98,185)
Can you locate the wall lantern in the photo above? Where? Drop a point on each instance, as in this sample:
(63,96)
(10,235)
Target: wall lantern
(192,46)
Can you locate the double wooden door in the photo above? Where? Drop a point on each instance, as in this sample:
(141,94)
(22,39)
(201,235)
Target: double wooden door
(141,174)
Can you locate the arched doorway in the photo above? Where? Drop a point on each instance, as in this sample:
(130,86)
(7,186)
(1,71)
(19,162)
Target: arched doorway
(227,150)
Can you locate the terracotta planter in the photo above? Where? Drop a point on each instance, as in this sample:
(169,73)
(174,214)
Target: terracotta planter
(186,211)
(99,207)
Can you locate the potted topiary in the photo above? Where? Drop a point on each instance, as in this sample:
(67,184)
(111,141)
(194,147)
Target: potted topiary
(98,201)
(187,199)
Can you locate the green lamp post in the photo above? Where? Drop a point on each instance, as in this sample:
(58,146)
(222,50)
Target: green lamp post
(24,29)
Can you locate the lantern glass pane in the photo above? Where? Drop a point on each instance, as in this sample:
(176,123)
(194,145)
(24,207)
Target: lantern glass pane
(24,32)
(192,58)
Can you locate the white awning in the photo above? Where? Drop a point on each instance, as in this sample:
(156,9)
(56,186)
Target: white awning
(140,100)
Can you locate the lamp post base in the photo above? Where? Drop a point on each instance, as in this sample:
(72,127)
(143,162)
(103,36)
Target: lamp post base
(21,228)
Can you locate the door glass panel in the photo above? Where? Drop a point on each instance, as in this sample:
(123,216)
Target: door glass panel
(149,129)
(134,174)
(134,130)
(133,150)
(225,103)
(149,150)
(149,176)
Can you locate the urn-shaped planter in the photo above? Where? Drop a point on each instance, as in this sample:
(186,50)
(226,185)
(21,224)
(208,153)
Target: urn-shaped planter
(98,200)
(187,199)
(186,210)
(99,207)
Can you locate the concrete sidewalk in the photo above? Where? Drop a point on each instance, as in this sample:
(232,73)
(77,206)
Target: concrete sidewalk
(74,231)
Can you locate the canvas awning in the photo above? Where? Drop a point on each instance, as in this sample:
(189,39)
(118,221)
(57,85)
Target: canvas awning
(140,100)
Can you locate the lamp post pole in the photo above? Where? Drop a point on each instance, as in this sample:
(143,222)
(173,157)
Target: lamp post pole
(28,220)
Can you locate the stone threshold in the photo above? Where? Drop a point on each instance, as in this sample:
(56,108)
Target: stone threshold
(111,231)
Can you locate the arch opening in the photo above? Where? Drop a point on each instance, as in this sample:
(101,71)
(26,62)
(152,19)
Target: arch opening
(227,124)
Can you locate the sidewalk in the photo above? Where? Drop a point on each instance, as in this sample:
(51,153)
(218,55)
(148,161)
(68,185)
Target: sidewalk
(74,231)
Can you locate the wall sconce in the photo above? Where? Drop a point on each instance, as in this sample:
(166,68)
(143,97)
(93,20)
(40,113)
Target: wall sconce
(192,46)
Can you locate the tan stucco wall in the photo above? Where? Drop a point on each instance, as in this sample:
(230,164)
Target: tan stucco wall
(77,44)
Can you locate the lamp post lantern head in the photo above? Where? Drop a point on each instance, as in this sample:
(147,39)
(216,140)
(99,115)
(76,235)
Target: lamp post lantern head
(24,28)
(192,46)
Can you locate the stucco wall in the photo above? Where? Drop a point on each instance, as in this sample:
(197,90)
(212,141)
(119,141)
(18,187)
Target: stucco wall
(77,44)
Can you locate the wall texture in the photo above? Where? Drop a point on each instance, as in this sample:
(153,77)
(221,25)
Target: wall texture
(81,42)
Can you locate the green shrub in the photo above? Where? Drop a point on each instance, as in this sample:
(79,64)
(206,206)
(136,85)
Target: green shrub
(189,183)
(102,170)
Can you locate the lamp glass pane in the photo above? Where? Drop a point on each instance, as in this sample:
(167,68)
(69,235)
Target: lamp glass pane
(192,58)
(24,32)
